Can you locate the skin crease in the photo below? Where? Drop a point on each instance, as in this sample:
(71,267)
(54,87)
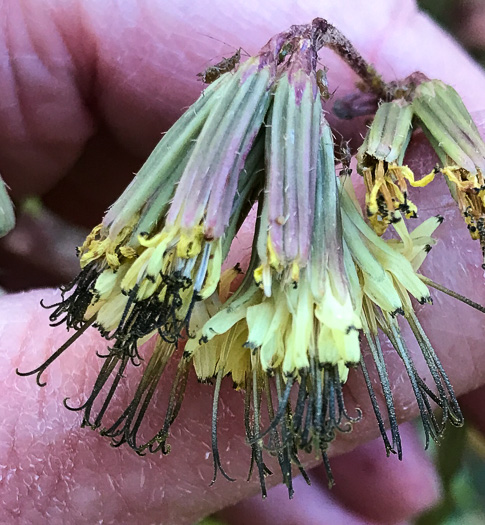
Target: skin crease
(75,72)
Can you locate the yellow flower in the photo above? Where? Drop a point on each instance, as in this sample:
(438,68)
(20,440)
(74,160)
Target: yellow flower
(380,161)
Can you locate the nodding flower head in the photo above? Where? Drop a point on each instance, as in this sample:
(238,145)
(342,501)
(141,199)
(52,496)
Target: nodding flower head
(160,247)
(319,280)
(460,148)
(384,280)
(436,108)
(292,322)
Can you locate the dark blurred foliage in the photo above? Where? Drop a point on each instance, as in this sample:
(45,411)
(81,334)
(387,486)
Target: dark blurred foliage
(464,19)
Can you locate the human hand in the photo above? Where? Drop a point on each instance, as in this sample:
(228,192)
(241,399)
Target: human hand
(129,70)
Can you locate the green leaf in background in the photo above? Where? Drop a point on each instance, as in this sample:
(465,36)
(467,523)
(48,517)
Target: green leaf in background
(449,456)
(442,11)
(461,466)
(210,521)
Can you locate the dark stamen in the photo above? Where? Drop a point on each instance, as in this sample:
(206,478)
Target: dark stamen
(375,406)
(126,427)
(215,450)
(159,441)
(397,341)
(252,390)
(71,310)
(376,350)
(275,421)
(279,447)
(109,365)
(41,369)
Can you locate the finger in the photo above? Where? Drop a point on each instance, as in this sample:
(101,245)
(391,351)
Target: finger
(37,428)
(381,489)
(66,68)
(312,506)
(58,470)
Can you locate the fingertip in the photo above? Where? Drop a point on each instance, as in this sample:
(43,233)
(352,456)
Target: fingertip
(312,506)
(383,489)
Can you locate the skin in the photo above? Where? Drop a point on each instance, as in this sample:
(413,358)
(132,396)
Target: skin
(90,84)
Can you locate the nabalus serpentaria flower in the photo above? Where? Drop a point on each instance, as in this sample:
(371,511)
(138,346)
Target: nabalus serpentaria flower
(160,246)
(319,280)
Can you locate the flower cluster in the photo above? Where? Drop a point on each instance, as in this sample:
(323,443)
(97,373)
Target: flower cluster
(320,278)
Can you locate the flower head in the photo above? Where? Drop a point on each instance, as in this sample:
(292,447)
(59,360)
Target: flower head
(438,110)
(386,278)
(460,148)
(293,318)
(160,247)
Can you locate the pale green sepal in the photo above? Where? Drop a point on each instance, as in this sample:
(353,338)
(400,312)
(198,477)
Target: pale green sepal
(161,165)
(443,114)
(389,133)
